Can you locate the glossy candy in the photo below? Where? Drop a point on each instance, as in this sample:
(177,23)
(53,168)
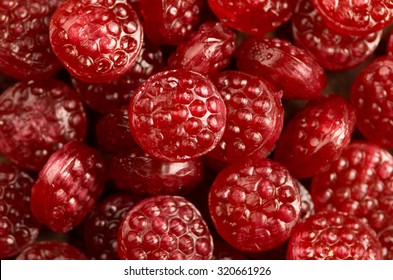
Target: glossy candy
(332,50)
(96,41)
(315,136)
(36,119)
(169,22)
(164,227)
(254,205)
(18,227)
(333,236)
(359,182)
(206,51)
(106,97)
(51,250)
(372,97)
(25,50)
(177,115)
(277,60)
(137,171)
(355,18)
(68,186)
(253,17)
(255,116)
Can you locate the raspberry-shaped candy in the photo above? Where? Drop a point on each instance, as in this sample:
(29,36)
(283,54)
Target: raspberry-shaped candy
(120,138)
(332,50)
(25,50)
(51,250)
(277,60)
(177,115)
(254,204)
(36,119)
(206,51)
(253,17)
(105,97)
(386,238)
(142,174)
(102,225)
(254,116)
(316,135)
(372,97)
(359,182)
(169,22)
(333,235)
(164,227)
(18,227)
(355,18)
(68,186)
(97,41)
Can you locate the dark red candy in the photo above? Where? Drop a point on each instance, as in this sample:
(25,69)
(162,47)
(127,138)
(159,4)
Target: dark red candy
(169,22)
(164,227)
(332,50)
(255,116)
(105,97)
(206,51)
(333,235)
(372,97)
(25,50)
(68,186)
(142,174)
(96,41)
(18,227)
(36,119)
(315,136)
(51,250)
(120,138)
(355,18)
(359,182)
(102,225)
(253,17)
(177,115)
(254,204)
(277,60)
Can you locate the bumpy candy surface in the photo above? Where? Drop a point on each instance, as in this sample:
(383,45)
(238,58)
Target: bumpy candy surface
(164,227)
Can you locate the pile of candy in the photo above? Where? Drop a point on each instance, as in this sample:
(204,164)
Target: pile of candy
(196,129)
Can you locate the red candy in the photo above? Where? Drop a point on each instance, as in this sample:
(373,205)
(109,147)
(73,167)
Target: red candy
(372,97)
(25,50)
(18,227)
(142,174)
(254,205)
(164,227)
(51,250)
(277,60)
(168,22)
(36,119)
(254,116)
(355,18)
(331,49)
(359,182)
(254,17)
(333,236)
(206,51)
(96,42)
(315,136)
(68,186)
(177,115)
